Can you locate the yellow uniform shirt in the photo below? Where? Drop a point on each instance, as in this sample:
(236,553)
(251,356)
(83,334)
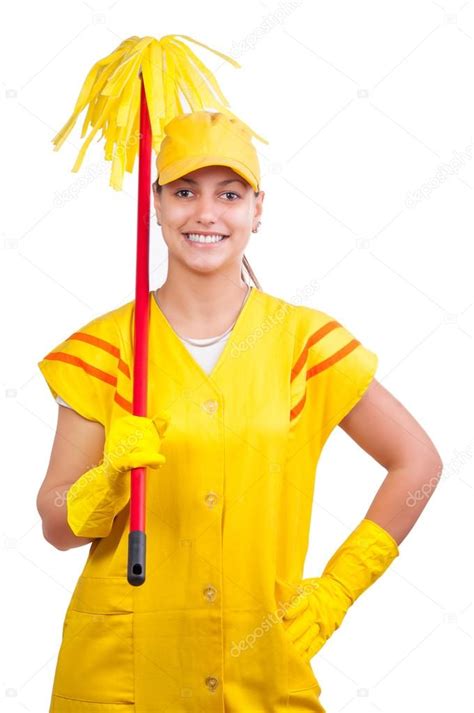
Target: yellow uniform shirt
(228,515)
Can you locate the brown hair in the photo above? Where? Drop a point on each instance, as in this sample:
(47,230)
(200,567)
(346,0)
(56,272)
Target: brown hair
(245,263)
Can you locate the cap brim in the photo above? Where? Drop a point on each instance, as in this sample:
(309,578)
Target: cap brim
(181,168)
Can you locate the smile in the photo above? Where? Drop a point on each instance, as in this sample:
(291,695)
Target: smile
(204,240)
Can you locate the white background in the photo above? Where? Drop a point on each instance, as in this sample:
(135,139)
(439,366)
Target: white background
(368,110)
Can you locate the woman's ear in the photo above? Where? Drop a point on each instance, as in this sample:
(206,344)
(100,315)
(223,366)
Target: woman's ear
(259,204)
(157,204)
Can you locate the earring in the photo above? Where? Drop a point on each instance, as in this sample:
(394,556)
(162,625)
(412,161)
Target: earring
(255,230)
(158,222)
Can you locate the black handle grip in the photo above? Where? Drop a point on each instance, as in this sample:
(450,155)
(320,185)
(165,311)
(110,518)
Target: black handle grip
(136,557)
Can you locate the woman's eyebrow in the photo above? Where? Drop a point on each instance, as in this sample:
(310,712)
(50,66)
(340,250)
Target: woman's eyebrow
(232,180)
(221,183)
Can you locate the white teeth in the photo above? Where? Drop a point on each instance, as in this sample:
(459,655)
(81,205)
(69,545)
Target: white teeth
(196,238)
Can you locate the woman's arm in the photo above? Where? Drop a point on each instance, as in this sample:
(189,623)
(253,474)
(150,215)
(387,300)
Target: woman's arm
(383,427)
(380,425)
(77,447)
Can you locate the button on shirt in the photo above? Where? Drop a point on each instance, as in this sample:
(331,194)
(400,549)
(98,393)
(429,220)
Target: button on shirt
(228,514)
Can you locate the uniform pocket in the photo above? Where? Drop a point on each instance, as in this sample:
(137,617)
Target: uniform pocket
(300,673)
(95,661)
(306,700)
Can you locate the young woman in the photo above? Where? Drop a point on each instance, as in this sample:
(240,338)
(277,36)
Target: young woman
(244,390)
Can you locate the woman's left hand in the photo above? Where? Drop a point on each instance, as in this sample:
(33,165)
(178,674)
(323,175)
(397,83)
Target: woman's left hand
(315,613)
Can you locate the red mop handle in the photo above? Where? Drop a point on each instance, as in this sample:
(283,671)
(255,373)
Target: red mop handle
(137,535)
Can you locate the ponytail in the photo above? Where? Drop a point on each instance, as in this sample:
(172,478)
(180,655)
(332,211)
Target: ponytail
(250,273)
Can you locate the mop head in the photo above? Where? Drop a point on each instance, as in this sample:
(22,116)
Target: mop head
(112,91)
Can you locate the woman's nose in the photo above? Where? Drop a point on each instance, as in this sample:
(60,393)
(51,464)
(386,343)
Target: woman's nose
(206,210)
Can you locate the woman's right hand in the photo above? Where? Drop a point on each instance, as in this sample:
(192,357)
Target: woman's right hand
(102,492)
(134,442)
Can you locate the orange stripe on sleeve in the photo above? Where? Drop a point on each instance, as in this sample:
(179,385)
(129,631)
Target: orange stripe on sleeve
(76,361)
(298,408)
(93,371)
(337,356)
(315,337)
(322,365)
(127,405)
(106,346)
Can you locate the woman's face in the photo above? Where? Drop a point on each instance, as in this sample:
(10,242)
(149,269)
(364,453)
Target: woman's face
(210,200)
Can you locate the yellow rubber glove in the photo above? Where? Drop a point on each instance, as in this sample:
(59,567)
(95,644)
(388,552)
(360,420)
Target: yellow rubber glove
(322,603)
(98,495)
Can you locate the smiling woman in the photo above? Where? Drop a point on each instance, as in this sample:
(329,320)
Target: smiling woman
(225,619)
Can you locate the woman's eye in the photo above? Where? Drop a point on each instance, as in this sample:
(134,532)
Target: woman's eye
(227,193)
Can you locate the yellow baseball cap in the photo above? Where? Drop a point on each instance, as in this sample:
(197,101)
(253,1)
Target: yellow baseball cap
(204,138)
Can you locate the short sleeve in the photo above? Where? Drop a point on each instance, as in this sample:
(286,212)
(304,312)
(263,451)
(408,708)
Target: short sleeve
(82,370)
(332,370)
